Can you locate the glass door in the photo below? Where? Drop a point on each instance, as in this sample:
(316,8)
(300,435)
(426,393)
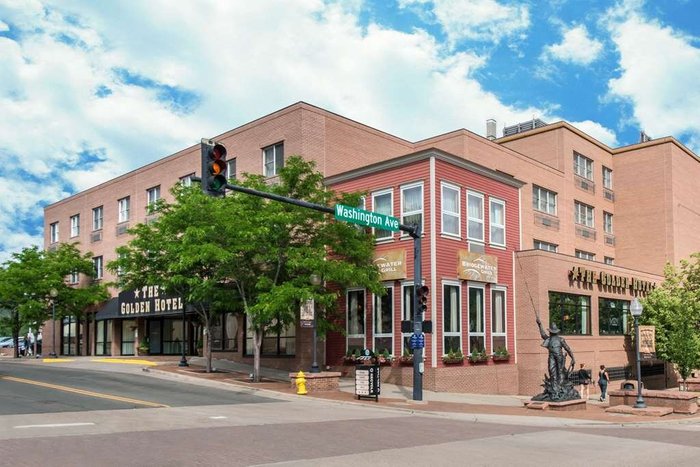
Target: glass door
(155,336)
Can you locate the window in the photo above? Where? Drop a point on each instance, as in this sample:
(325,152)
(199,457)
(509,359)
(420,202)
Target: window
(540,245)
(585,255)
(607,222)
(124,204)
(186,180)
(53,232)
(407,314)
(382,203)
(451,318)
(498,319)
(497,222)
(571,313)
(583,214)
(412,205)
(70,340)
(278,340)
(97,217)
(103,337)
(153,195)
(355,306)
(384,322)
(475,216)
(476,320)
(613,317)
(97,266)
(231,169)
(273,159)
(224,333)
(544,200)
(75,225)
(450,210)
(583,166)
(74,277)
(607,178)
(609,260)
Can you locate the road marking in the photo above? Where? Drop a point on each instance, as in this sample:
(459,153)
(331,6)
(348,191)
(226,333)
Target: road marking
(57,360)
(84,392)
(124,360)
(219,417)
(54,425)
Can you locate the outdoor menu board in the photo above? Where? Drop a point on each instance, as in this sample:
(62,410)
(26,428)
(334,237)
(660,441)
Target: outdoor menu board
(367,381)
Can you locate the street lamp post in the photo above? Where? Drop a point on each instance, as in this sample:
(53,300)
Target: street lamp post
(53,293)
(315,281)
(636,309)
(183,359)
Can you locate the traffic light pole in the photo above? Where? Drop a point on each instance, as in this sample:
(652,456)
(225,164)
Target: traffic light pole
(413,230)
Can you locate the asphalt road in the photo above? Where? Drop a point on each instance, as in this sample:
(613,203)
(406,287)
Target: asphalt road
(206,425)
(32,388)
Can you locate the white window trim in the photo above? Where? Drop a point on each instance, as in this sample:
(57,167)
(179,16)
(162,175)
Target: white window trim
(275,169)
(127,201)
(422,204)
(95,225)
(541,190)
(576,214)
(491,223)
(588,163)
(375,334)
(607,215)
(153,192)
(459,315)
(375,194)
(75,226)
(404,285)
(534,246)
(609,171)
(99,271)
(505,315)
(482,287)
(481,221)
(53,232)
(74,277)
(449,186)
(347,318)
(583,252)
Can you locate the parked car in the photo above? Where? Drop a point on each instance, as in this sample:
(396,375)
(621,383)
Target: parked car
(7,342)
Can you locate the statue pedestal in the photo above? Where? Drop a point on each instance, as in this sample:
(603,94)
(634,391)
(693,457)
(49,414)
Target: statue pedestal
(566,406)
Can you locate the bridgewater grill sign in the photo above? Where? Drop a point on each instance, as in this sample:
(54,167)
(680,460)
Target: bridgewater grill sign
(148,300)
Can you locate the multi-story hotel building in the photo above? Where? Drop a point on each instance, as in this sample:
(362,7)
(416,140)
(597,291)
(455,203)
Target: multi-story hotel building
(543,221)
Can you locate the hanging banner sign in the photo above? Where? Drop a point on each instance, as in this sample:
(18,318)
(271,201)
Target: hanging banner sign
(477,267)
(306,314)
(647,340)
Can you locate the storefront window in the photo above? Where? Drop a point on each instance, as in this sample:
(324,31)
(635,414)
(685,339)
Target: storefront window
(498,319)
(103,337)
(451,332)
(128,336)
(224,333)
(355,320)
(571,313)
(477,334)
(384,321)
(278,340)
(172,337)
(613,317)
(70,336)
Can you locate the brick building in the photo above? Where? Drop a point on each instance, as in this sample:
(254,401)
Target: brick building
(580,229)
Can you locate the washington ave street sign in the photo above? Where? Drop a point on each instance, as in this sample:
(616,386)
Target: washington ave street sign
(368,218)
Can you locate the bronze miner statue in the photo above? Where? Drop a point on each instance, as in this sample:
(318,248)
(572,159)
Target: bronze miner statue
(557,386)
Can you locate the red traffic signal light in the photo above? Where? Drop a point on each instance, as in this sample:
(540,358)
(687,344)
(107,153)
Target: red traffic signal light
(213,167)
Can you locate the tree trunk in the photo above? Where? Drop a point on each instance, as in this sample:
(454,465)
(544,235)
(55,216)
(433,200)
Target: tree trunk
(207,342)
(257,341)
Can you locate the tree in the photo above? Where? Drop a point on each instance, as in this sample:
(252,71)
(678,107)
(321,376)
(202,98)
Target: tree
(674,309)
(248,255)
(27,279)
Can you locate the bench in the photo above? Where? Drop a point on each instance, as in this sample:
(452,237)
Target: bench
(680,402)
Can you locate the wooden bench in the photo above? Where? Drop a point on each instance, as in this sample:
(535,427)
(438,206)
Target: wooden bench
(680,402)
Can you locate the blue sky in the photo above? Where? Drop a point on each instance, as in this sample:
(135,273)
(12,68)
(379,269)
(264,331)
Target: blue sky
(90,90)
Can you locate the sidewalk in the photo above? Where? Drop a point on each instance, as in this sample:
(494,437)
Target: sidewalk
(400,397)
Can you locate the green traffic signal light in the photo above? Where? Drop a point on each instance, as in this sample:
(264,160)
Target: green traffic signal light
(213,167)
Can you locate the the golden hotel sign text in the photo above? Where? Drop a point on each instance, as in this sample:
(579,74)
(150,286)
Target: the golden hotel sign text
(148,300)
(605,279)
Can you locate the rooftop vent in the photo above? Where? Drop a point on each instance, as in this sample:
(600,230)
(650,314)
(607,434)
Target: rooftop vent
(525,126)
(491,129)
(643,137)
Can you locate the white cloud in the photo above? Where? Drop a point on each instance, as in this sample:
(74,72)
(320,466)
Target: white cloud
(576,47)
(658,73)
(484,20)
(61,96)
(597,131)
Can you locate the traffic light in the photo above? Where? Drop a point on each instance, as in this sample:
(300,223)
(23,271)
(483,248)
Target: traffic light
(213,168)
(423,293)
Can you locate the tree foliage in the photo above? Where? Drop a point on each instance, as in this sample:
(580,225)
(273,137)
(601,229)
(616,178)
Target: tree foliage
(674,309)
(245,254)
(26,281)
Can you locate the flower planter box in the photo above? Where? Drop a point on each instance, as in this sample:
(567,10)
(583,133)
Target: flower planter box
(350,361)
(478,359)
(501,358)
(453,361)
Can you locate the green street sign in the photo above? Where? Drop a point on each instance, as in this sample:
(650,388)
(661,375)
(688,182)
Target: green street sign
(368,218)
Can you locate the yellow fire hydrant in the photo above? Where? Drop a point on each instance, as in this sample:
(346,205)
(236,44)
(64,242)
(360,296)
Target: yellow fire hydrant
(301,383)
